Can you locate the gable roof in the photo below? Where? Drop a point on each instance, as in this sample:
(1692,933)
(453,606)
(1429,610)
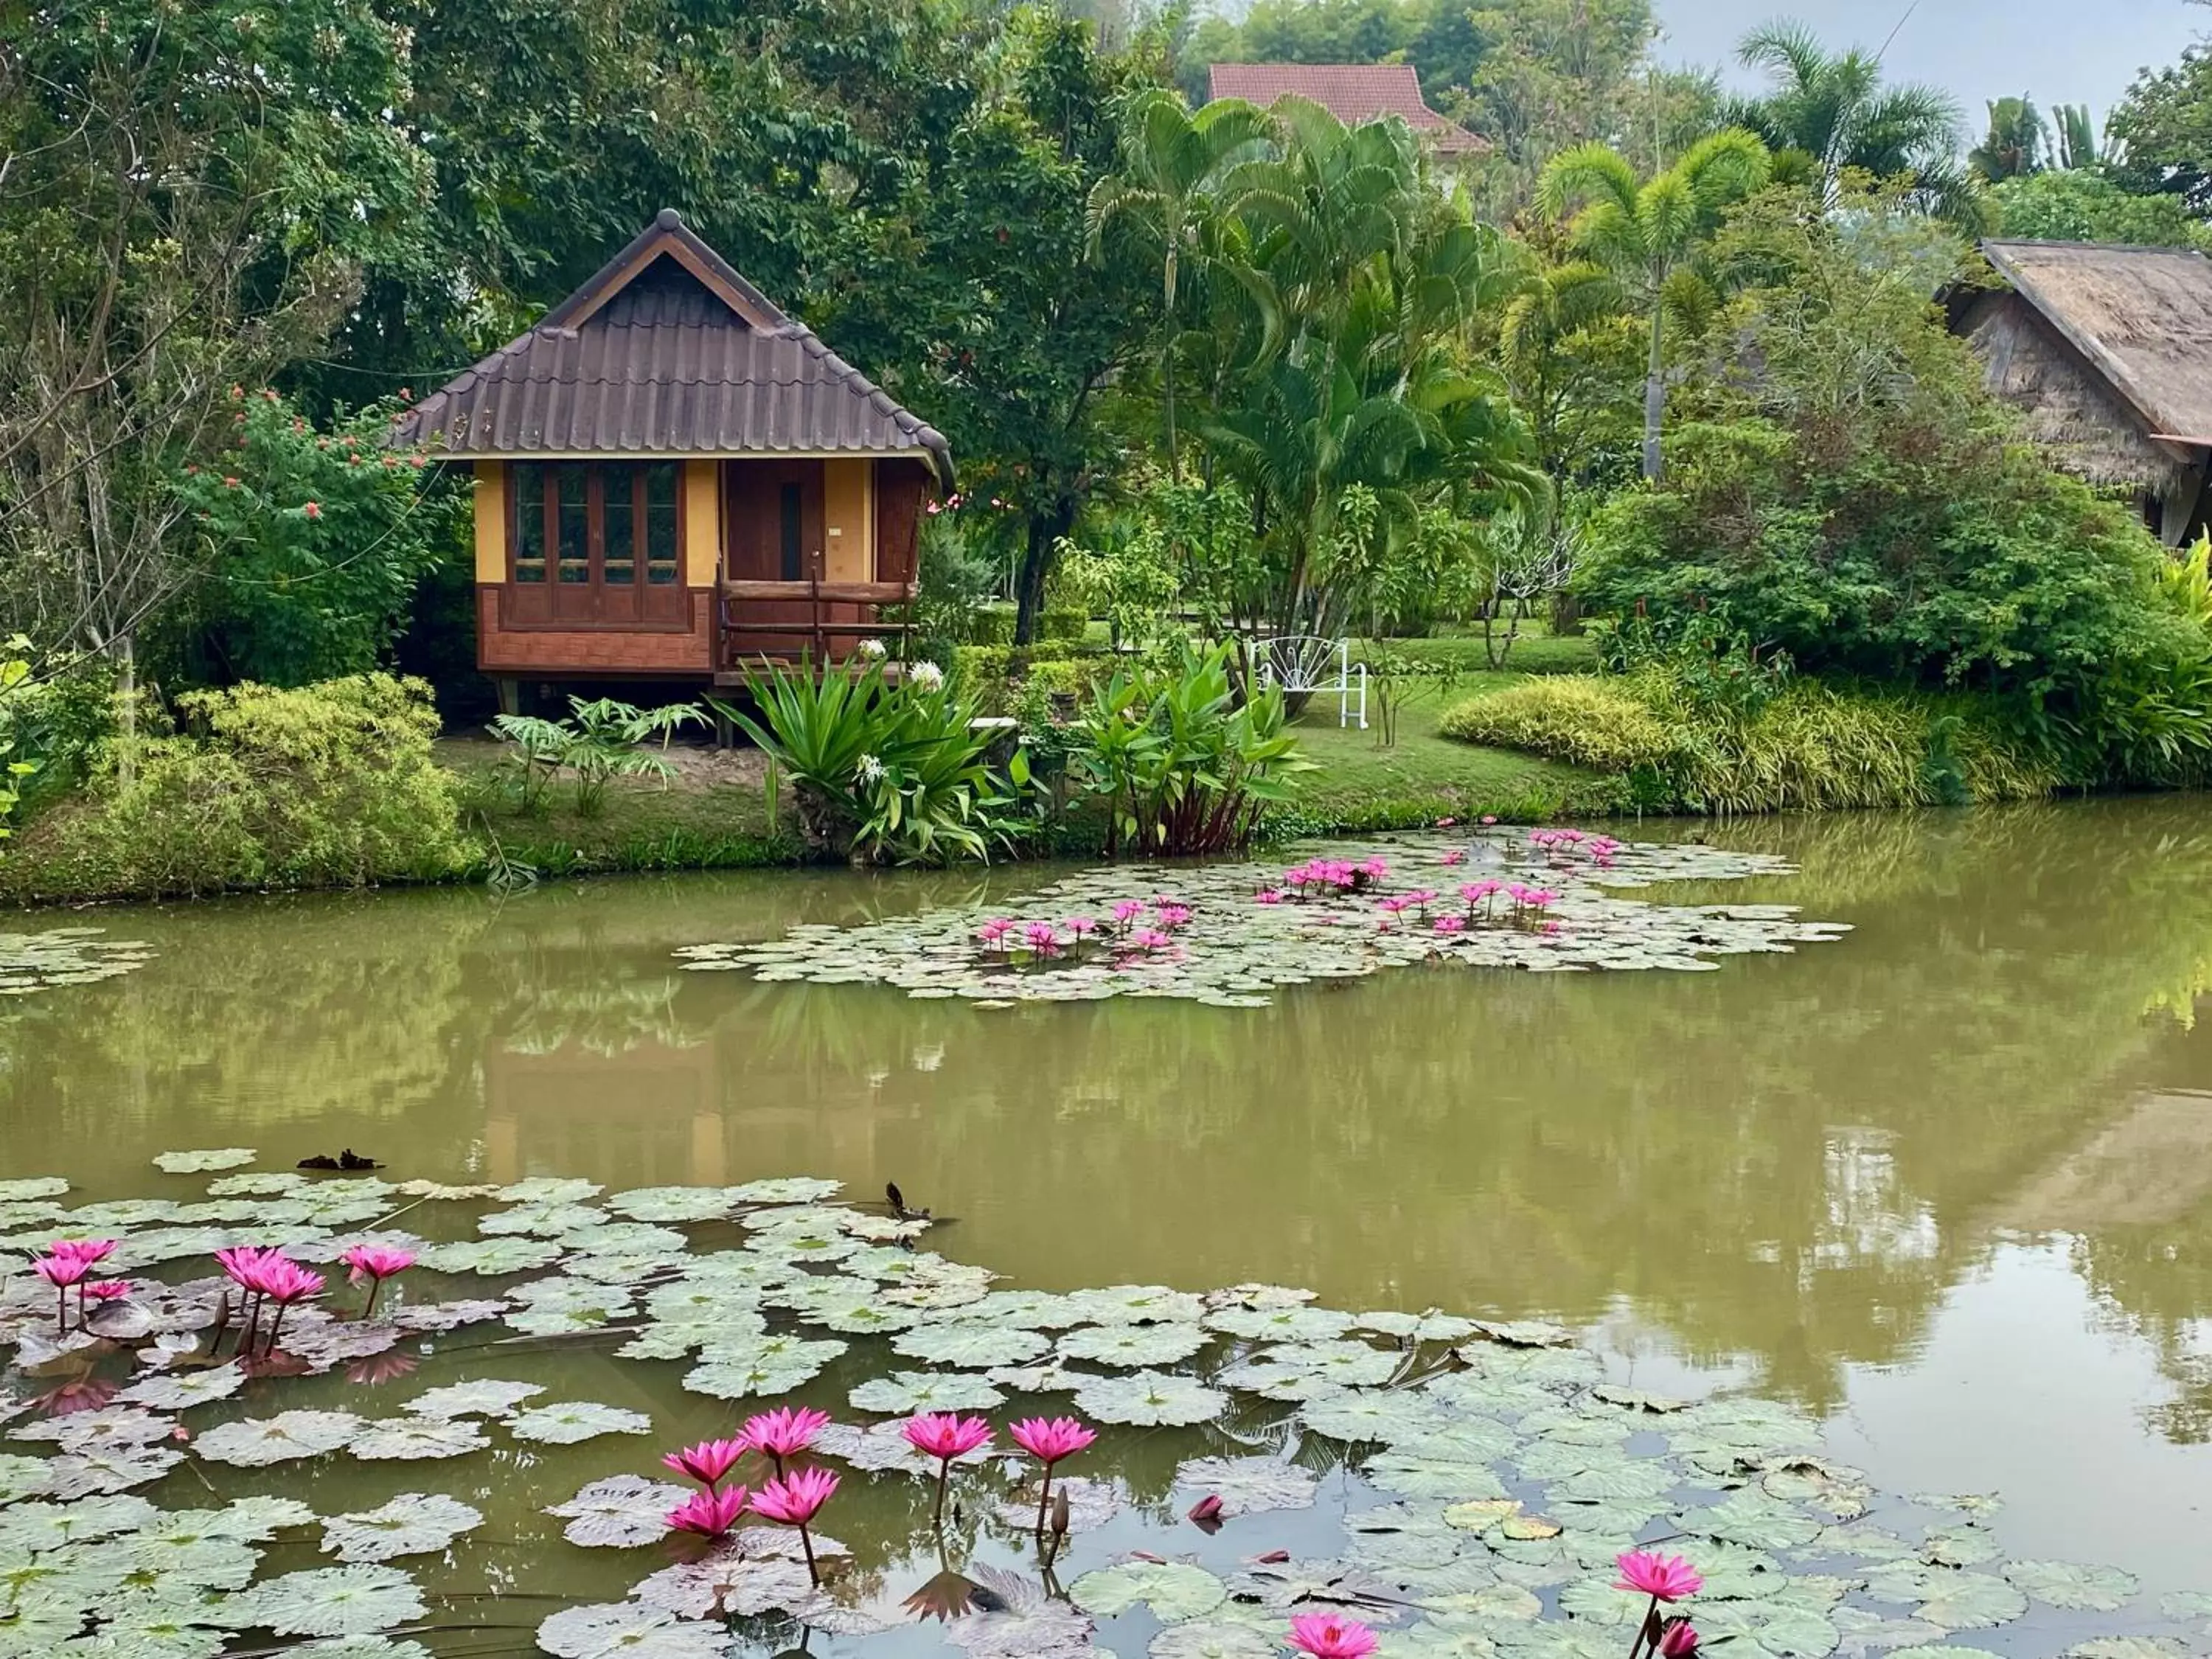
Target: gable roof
(667,350)
(1353,93)
(2141,316)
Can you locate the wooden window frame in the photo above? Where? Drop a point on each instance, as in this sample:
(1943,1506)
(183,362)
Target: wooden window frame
(621,607)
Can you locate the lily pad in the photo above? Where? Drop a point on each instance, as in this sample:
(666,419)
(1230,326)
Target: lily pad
(1150,1398)
(200,1162)
(255,1442)
(409,1438)
(619,1512)
(2064,1584)
(488,1396)
(629,1629)
(413,1523)
(1172,1591)
(1972,1601)
(1246,1485)
(334,1602)
(566,1424)
(974,1345)
(1133,1345)
(905,1393)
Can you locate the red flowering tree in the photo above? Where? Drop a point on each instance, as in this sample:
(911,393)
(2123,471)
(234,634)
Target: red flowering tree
(314,540)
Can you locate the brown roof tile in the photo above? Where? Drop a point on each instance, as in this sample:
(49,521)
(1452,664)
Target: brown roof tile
(1353,93)
(667,350)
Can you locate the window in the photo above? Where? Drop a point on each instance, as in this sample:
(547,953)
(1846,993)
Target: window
(596,543)
(794,503)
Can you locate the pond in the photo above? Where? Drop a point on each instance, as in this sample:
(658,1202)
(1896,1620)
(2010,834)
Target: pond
(1942,1183)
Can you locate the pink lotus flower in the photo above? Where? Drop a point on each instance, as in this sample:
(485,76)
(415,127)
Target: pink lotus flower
(87,1250)
(1375,869)
(1127,911)
(1206,1512)
(710,1514)
(1680,1640)
(795,1499)
(708,1462)
(1173,915)
(1267,895)
(61,1271)
(108,1290)
(1450,924)
(285,1282)
(1550,928)
(1456,855)
(944,1435)
(1489,818)
(1081,926)
(995,929)
(784,1433)
(1662,1577)
(1446,823)
(1050,1441)
(1149,939)
(245,1262)
(1330,1636)
(375,1263)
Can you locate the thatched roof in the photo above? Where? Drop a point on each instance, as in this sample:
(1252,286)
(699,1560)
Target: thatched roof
(2142,317)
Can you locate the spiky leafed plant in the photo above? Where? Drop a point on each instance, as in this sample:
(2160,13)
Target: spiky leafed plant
(1647,233)
(1834,109)
(2076,141)
(2018,140)
(1173,164)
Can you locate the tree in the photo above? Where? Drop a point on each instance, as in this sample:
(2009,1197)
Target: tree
(2086,205)
(1373,397)
(2162,132)
(1829,113)
(2077,136)
(1172,166)
(1647,234)
(2018,143)
(191,194)
(1573,355)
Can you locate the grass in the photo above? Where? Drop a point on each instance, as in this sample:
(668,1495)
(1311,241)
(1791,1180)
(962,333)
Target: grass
(1425,775)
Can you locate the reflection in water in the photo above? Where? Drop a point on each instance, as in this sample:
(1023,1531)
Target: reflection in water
(1783,1171)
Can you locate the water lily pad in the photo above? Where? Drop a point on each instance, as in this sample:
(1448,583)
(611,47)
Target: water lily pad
(1150,1398)
(486,1396)
(1172,1591)
(1215,1639)
(1755,1521)
(1246,1485)
(2064,1584)
(566,1424)
(2127,1647)
(409,1438)
(200,1163)
(255,1442)
(905,1393)
(413,1523)
(1972,1601)
(619,1512)
(629,1629)
(971,1344)
(185,1388)
(334,1602)
(1133,1345)
(491,1257)
(725,1585)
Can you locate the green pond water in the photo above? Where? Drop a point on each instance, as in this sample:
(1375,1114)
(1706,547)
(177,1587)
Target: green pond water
(1945,1183)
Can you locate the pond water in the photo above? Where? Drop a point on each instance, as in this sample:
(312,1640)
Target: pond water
(1945,1183)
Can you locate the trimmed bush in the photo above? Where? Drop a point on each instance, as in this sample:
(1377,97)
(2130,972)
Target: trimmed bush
(1582,719)
(1534,653)
(327,785)
(1810,747)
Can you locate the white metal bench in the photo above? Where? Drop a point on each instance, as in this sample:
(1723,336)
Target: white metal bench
(1310,664)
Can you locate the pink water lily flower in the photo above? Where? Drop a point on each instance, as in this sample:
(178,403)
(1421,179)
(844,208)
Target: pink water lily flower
(1172,916)
(1081,926)
(1332,1635)
(784,1433)
(61,1271)
(1267,895)
(995,929)
(1681,1639)
(1127,911)
(945,1435)
(1041,936)
(711,1514)
(795,1499)
(1450,924)
(375,1263)
(1456,855)
(1051,1441)
(708,1462)
(87,1250)
(1150,938)
(1662,1577)
(108,1290)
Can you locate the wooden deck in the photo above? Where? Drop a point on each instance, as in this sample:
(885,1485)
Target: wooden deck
(772,622)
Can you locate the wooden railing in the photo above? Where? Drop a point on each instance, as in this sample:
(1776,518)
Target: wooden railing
(804,612)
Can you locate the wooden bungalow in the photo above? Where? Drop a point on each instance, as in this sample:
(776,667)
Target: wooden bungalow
(674,478)
(2108,351)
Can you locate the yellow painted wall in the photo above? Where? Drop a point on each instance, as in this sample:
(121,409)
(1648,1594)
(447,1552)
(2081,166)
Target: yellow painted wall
(848,513)
(702,523)
(491,522)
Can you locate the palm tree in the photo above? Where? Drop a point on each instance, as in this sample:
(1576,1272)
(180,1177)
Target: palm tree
(1833,109)
(2077,136)
(2018,140)
(1647,234)
(1173,163)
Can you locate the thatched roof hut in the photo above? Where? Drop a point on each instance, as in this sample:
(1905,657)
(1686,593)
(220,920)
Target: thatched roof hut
(2108,350)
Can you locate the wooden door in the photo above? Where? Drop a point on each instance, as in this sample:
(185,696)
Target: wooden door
(772,520)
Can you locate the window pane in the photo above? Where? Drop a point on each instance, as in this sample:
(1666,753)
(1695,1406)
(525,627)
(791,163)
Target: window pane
(617,564)
(793,501)
(575,521)
(660,549)
(527,502)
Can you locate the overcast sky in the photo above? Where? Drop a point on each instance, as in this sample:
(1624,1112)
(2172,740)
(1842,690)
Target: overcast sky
(2057,51)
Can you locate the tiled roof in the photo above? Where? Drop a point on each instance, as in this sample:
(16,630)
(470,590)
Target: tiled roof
(667,350)
(1353,93)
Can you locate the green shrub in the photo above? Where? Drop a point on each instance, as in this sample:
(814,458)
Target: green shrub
(1808,746)
(1532,653)
(329,785)
(1067,623)
(1583,719)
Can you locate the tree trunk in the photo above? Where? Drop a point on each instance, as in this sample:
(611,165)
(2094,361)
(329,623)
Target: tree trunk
(1654,394)
(126,699)
(1045,531)
(1167,364)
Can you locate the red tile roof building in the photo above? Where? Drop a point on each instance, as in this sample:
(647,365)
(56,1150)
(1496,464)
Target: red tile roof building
(1353,93)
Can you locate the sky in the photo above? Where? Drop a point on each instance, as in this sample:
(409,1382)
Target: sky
(2056,51)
